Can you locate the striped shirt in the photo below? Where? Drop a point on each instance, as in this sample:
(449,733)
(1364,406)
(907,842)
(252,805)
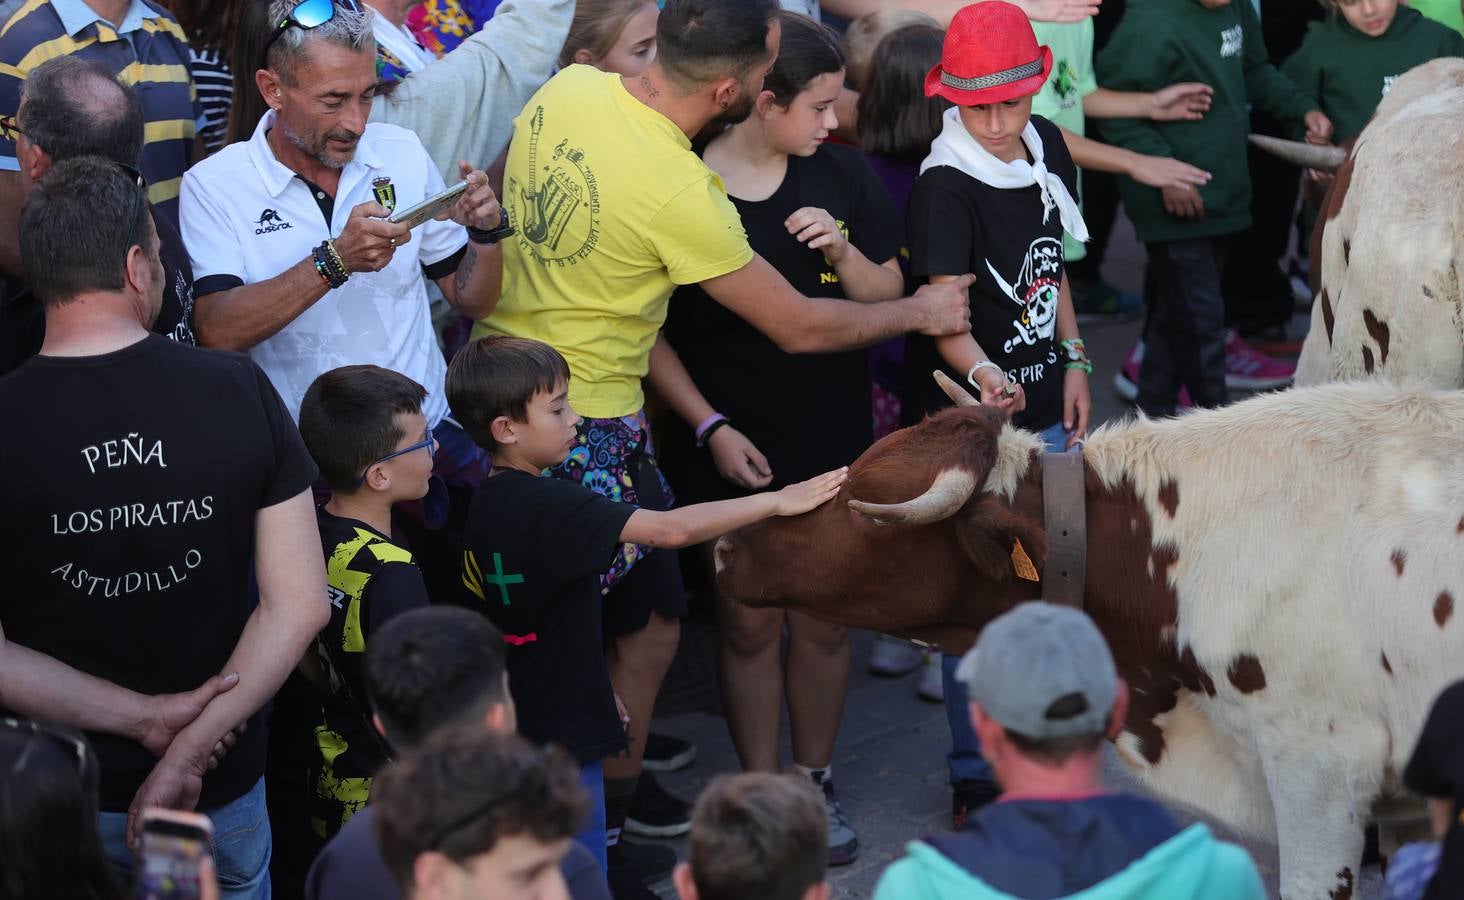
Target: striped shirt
(147,50)
(215,84)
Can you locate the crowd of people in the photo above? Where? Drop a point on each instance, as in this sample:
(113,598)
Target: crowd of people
(357,535)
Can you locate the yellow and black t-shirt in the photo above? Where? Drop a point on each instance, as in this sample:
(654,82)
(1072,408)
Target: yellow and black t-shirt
(369,580)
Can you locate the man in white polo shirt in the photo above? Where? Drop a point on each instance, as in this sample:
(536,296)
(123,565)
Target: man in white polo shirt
(293,258)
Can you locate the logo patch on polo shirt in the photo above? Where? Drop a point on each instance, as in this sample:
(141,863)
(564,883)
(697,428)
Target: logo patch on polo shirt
(385,192)
(270,221)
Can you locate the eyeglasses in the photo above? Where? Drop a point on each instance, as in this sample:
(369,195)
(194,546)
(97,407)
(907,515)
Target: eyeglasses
(307,14)
(71,745)
(138,202)
(426,443)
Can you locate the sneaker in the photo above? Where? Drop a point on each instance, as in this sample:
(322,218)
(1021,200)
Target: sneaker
(667,754)
(843,842)
(637,865)
(1126,380)
(655,813)
(932,685)
(892,657)
(1248,369)
(1102,302)
(968,797)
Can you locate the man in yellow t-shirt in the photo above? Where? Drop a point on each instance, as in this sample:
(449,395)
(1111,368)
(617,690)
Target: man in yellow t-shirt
(613,211)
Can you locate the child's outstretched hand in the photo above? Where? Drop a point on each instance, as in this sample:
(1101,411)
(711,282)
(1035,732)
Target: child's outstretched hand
(1183,203)
(1184,102)
(797,499)
(816,229)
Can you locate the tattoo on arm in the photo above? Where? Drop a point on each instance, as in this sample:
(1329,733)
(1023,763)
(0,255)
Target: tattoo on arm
(465,272)
(650,88)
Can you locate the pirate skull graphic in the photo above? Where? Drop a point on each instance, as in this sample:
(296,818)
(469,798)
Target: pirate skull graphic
(1035,292)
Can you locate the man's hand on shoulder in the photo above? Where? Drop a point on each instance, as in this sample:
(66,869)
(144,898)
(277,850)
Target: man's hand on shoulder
(945,308)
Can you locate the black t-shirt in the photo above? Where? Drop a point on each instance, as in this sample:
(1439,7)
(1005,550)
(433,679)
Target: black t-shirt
(957,224)
(23,321)
(369,580)
(1436,769)
(807,413)
(131,482)
(535,550)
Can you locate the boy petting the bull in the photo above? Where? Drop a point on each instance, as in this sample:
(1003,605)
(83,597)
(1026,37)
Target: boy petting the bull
(1186,231)
(994,197)
(535,547)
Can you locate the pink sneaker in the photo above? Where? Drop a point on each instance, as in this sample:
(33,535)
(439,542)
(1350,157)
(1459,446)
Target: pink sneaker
(1248,369)
(1126,381)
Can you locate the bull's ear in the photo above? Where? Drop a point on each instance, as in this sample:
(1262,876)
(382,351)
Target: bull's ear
(988,535)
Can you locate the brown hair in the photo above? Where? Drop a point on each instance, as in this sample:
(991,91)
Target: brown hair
(758,835)
(896,119)
(209,24)
(597,26)
(466,788)
(866,32)
(498,376)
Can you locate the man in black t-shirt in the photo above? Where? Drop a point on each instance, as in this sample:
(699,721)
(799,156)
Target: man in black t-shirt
(73,107)
(132,526)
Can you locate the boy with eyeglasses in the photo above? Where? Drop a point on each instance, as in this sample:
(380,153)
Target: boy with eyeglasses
(365,428)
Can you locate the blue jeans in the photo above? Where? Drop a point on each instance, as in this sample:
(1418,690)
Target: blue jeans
(241,845)
(965,761)
(592,779)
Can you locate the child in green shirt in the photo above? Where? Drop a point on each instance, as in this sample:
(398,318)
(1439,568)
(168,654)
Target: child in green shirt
(1215,42)
(1349,60)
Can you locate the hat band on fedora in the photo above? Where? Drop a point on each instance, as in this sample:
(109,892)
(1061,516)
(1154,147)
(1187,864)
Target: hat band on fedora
(995,79)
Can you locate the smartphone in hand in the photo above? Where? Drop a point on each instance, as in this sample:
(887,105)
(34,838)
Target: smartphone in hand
(418,213)
(173,844)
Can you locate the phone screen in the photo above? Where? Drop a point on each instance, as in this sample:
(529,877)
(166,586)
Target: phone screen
(171,852)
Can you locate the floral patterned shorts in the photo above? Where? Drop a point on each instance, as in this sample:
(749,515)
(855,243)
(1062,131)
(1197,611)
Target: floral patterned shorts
(616,459)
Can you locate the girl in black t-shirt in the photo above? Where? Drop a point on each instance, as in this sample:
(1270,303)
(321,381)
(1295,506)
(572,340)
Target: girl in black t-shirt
(819,214)
(993,198)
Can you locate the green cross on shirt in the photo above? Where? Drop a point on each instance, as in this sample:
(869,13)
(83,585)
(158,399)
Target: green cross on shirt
(501,580)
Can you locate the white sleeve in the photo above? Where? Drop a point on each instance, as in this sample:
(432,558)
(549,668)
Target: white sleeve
(213,245)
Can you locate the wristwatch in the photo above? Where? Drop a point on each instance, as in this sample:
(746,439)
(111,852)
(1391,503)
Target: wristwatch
(493,235)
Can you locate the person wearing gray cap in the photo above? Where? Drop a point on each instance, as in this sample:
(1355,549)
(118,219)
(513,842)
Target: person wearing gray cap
(1044,694)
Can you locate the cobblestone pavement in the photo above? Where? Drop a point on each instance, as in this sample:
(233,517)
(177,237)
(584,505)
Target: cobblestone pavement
(889,762)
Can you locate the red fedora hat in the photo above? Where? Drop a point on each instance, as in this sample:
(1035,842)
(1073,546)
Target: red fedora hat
(990,55)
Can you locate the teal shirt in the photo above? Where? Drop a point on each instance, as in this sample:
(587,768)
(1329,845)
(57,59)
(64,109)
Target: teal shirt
(1350,72)
(1061,99)
(1190,866)
(1160,42)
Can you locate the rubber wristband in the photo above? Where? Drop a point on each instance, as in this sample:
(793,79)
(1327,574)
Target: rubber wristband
(708,422)
(1081,365)
(711,430)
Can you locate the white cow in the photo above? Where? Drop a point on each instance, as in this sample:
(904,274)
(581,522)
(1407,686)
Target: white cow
(1392,242)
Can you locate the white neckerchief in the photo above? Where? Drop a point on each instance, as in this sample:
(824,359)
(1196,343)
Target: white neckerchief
(955,147)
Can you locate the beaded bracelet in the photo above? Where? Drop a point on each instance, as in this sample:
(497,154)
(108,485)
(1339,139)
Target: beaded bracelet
(340,264)
(325,265)
(321,270)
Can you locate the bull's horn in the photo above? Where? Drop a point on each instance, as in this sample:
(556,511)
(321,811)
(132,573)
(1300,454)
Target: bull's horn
(1311,156)
(959,395)
(948,493)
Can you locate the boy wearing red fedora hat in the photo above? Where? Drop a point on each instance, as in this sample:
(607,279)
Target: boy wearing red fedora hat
(1217,42)
(994,197)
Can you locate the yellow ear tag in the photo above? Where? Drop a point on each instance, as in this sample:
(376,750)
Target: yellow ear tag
(1022,563)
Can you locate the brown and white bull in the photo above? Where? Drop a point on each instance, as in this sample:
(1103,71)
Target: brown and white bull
(1277,579)
(1388,253)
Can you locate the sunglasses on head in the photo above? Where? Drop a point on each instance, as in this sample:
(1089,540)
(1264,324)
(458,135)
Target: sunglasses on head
(306,14)
(73,747)
(139,201)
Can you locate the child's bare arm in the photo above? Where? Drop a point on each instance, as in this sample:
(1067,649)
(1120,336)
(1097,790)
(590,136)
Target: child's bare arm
(689,525)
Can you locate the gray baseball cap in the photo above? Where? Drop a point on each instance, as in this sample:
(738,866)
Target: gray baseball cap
(1043,671)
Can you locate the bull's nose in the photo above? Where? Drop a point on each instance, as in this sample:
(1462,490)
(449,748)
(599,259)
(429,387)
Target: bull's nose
(722,553)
